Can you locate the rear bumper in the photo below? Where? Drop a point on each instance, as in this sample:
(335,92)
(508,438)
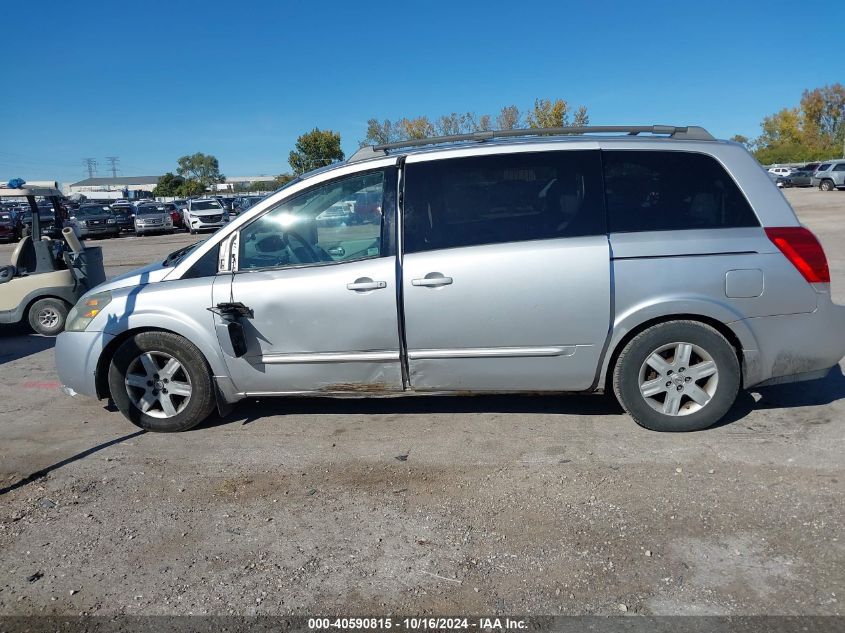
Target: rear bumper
(793,347)
(77,354)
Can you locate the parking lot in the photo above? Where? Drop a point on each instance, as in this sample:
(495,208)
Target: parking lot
(505,504)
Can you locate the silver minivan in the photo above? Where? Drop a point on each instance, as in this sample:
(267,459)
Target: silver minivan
(654,262)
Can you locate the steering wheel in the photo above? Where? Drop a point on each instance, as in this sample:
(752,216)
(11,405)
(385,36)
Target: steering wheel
(306,245)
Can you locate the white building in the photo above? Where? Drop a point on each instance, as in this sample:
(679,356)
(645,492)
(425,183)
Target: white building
(112,187)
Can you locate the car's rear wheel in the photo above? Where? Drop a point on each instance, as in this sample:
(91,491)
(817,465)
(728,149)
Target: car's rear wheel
(161,382)
(677,376)
(826,185)
(48,316)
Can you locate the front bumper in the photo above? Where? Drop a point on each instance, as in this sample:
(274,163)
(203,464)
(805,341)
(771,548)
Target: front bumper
(98,230)
(77,355)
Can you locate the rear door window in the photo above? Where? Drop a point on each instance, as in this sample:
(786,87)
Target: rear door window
(670,191)
(839,167)
(459,202)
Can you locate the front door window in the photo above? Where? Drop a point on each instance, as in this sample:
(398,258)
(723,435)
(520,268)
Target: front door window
(340,221)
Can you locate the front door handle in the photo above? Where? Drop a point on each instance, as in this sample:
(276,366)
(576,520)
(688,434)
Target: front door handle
(365,283)
(432,280)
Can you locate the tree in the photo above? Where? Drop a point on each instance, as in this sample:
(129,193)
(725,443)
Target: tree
(509,118)
(379,133)
(419,127)
(581,118)
(548,113)
(315,149)
(812,131)
(190,188)
(168,186)
(202,168)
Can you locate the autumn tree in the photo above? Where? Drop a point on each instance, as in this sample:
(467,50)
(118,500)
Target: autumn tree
(813,130)
(314,149)
(509,118)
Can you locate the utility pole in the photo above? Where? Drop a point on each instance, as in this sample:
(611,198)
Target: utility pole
(91,165)
(113,161)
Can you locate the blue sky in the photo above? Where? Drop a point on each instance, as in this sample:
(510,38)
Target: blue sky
(151,81)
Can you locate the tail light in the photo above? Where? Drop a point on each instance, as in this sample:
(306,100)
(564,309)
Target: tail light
(803,250)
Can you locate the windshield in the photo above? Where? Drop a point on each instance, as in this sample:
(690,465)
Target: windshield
(96,210)
(205,205)
(149,210)
(121,210)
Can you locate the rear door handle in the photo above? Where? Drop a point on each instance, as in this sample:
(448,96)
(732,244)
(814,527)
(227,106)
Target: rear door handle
(432,280)
(365,283)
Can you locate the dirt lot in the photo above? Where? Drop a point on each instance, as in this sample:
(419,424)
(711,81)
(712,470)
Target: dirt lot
(439,505)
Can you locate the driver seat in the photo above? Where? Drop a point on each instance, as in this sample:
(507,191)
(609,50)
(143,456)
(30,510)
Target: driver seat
(23,257)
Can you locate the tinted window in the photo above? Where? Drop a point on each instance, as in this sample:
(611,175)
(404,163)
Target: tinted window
(668,191)
(839,167)
(506,198)
(324,224)
(824,167)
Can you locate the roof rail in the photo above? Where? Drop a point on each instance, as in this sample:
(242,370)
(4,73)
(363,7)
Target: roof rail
(690,132)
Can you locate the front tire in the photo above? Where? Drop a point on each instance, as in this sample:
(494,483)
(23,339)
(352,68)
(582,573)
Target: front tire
(48,316)
(826,185)
(161,382)
(677,376)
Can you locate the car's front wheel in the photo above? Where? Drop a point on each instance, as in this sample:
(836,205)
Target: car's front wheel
(826,185)
(161,382)
(677,376)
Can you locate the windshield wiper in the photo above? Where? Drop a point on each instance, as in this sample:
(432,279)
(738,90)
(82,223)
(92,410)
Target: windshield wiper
(177,255)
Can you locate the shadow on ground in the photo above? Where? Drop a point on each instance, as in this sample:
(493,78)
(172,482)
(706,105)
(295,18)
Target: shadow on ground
(802,394)
(18,341)
(254,409)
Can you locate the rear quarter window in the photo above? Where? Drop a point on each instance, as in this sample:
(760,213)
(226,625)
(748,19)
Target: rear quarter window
(671,191)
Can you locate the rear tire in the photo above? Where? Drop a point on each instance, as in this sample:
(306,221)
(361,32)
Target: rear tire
(48,316)
(677,376)
(161,382)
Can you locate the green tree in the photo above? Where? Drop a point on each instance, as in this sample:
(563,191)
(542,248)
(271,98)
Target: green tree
(315,149)
(202,168)
(190,188)
(168,185)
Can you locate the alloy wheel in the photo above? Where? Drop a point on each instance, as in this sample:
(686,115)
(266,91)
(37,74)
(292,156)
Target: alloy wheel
(158,385)
(678,379)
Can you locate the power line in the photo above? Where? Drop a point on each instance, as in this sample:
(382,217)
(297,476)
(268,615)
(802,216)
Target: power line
(90,165)
(113,161)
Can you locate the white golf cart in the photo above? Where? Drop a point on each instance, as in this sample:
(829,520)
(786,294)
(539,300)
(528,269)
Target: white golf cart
(46,277)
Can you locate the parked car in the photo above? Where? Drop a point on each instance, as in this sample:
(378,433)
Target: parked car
(666,269)
(798,178)
(204,214)
(152,218)
(175,214)
(47,220)
(780,171)
(11,226)
(124,217)
(245,202)
(830,175)
(93,220)
(338,214)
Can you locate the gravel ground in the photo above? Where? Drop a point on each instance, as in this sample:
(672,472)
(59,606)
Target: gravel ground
(532,505)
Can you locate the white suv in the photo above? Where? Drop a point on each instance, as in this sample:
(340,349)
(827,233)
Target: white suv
(204,214)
